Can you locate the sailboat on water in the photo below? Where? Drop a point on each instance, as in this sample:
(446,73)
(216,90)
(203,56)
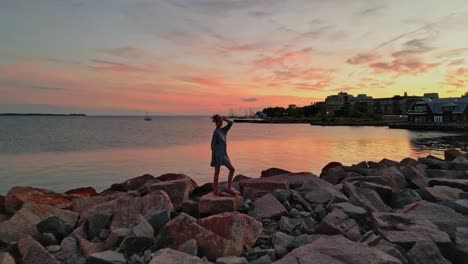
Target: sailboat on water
(147,118)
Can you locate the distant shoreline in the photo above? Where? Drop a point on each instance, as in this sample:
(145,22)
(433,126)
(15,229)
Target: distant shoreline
(39,114)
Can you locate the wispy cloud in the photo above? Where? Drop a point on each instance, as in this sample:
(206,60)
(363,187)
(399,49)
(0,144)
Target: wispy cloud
(403,67)
(127,52)
(250,100)
(110,66)
(362,58)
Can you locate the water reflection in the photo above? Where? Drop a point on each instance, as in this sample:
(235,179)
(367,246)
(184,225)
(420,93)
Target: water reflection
(65,170)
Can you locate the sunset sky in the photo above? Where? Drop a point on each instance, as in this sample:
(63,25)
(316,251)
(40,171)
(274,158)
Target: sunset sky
(198,57)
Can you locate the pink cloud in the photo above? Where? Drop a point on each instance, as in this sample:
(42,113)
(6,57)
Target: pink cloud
(403,67)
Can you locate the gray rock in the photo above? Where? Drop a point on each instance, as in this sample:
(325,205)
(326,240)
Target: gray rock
(424,252)
(439,193)
(190,247)
(157,218)
(282,195)
(70,252)
(320,212)
(288,225)
(366,198)
(135,245)
(6,258)
(461,245)
(143,228)
(318,191)
(334,175)
(256,188)
(262,260)
(463,195)
(294,213)
(95,223)
(384,192)
(281,242)
(256,253)
(461,184)
(178,190)
(337,250)
(355,212)
(268,206)
(308,225)
(302,240)
(391,249)
(232,260)
(402,198)
(405,230)
(287,205)
(459,205)
(408,162)
(189,207)
(106,257)
(46,239)
(338,223)
(167,255)
(116,236)
(445,218)
(55,226)
(300,201)
(104,234)
(444,165)
(415,177)
(446,174)
(33,253)
(24,221)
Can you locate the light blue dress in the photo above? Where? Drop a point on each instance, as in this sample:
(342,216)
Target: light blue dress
(218,146)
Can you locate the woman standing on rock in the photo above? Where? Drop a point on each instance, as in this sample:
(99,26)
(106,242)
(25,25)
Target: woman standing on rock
(219,154)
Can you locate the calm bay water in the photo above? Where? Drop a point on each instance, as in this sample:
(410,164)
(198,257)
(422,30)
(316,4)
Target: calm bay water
(61,153)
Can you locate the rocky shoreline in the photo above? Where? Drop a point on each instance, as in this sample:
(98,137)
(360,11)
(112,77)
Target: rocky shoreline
(386,212)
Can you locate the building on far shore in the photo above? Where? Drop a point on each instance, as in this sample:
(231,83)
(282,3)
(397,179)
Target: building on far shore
(396,105)
(439,110)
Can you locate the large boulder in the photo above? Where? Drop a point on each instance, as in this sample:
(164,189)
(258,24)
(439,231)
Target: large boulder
(446,174)
(83,203)
(384,192)
(336,250)
(17,196)
(216,236)
(254,189)
(424,252)
(439,193)
(210,204)
(415,177)
(461,184)
(459,205)
(81,192)
(178,190)
(445,218)
(365,198)
(405,230)
(268,207)
(272,172)
(24,221)
(175,177)
(404,197)
(461,245)
(33,253)
(338,223)
(240,228)
(126,209)
(390,177)
(281,242)
(355,212)
(318,191)
(334,175)
(132,184)
(167,255)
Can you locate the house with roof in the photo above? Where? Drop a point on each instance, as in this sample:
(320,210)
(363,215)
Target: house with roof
(439,110)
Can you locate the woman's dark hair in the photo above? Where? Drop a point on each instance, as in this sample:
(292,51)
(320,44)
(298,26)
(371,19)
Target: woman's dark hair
(215,117)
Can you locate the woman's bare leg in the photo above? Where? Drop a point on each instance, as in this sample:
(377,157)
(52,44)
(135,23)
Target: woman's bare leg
(231,174)
(216,179)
